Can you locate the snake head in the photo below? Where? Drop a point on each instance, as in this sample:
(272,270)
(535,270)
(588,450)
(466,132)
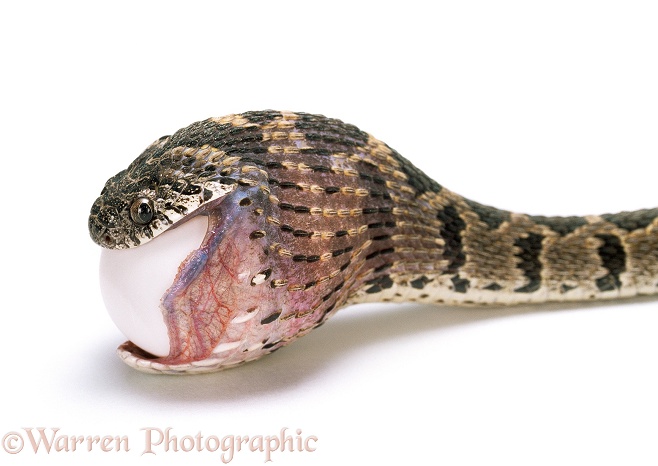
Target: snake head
(298,216)
(165,184)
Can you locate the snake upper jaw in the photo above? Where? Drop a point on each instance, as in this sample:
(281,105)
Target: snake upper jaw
(111,226)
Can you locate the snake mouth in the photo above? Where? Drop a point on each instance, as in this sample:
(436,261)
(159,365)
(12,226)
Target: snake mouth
(134,280)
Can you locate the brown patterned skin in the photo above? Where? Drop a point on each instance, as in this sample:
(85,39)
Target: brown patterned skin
(321,215)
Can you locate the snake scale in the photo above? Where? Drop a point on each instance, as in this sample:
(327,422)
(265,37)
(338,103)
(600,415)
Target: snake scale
(308,214)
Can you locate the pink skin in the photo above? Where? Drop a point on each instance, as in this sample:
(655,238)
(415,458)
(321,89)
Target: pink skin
(218,297)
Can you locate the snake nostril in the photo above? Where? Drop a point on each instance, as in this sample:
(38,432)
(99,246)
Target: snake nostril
(108,240)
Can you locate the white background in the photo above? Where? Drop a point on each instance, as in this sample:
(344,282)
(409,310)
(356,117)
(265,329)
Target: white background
(538,107)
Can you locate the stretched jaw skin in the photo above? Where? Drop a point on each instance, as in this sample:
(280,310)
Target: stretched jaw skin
(224,307)
(134,280)
(211,288)
(236,298)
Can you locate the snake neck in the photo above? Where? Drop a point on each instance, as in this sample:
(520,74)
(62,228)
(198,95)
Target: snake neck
(448,249)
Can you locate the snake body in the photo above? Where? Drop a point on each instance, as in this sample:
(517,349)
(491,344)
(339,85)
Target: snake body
(308,214)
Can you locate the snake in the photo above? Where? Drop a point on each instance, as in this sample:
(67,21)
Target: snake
(307,214)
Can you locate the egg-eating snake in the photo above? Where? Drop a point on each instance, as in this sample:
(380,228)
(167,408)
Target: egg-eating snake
(317,214)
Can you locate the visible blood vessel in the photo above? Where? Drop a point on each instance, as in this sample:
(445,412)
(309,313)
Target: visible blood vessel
(133,282)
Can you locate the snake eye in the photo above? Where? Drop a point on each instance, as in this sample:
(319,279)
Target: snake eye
(141,210)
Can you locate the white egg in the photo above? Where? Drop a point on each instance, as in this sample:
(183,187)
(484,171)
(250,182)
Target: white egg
(134,280)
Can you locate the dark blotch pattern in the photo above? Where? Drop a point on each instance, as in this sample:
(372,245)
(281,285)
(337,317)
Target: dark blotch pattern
(561,225)
(613,258)
(632,220)
(379,284)
(490,215)
(529,255)
(564,288)
(451,232)
(419,283)
(493,287)
(461,284)
(416,178)
(271,318)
